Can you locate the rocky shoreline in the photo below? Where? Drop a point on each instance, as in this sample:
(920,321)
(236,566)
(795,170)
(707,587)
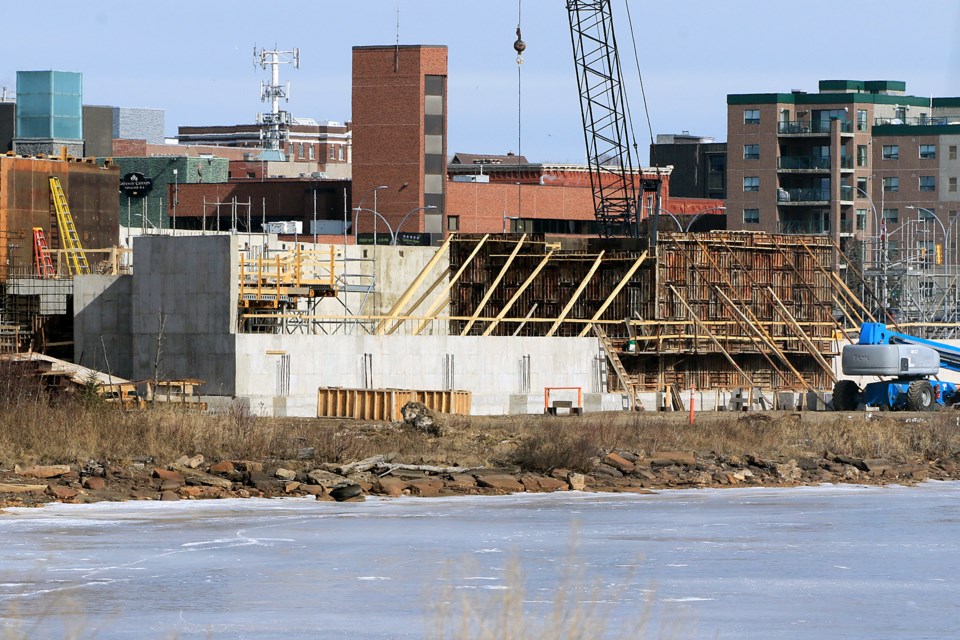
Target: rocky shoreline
(192,477)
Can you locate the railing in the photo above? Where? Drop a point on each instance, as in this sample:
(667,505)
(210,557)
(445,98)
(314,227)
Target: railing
(919,121)
(803,162)
(806,195)
(812,163)
(846,193)
(806,126)
(809,227)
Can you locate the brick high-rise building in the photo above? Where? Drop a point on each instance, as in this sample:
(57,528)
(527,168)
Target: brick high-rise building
(835,161)
(400,136)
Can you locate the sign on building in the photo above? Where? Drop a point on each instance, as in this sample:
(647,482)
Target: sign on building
(135,184)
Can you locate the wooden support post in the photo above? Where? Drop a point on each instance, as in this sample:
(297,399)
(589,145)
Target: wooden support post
(712,337)
(803,336)
(402,300)
(493,286)
(576,295)
(516,296)
(771,345)
(444,298)
(613,294)
(413,307)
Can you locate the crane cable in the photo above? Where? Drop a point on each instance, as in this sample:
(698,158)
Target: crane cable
(519,46)
(643,95)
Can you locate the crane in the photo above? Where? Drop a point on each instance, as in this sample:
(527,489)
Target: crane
(606,121)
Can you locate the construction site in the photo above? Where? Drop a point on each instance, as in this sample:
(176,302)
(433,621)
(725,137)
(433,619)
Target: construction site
(638,314)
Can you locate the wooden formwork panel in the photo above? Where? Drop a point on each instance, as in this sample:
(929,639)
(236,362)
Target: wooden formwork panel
(702,295)
(385,404)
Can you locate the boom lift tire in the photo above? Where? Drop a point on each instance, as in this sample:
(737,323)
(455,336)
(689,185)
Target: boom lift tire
(920,396)
(846,395)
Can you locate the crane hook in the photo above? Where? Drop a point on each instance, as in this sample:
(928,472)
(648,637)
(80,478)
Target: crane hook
(519,46)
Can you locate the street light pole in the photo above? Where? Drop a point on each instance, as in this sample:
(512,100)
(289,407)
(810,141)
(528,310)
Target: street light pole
(404,219)
(176,198)
(383,186)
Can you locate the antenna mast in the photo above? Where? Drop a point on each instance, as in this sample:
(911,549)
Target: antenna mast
(274,124)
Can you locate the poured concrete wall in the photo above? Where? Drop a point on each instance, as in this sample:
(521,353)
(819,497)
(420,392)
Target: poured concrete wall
(492,368)
(101,323)
(183,306)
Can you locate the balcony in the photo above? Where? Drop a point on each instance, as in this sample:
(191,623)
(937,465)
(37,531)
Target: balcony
(804,196)
(806,127)
(806,227)
(803,163)
(815,196)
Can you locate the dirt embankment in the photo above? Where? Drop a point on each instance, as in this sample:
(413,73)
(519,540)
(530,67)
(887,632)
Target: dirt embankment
(171,456)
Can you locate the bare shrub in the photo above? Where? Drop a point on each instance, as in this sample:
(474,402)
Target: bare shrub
(551,446)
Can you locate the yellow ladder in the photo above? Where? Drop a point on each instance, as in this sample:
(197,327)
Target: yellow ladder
(618,367)
(76,258)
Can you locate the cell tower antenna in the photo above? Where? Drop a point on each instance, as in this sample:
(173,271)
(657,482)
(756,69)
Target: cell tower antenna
(274,125)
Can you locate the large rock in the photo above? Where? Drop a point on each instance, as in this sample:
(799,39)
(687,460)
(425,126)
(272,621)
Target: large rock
(285,474)
(195,476)
(44,471)
(534,483)
(22,488)
(576,481)
(667,458)
(501,483)
(461,482)
(426,487)
(324,478)
(61,493)
(393,487)
(95,483)
(223,467)
(420,417)
(346,492)
(619,462)
(168,475)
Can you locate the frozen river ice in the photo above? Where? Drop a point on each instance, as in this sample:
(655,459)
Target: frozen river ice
(815,562)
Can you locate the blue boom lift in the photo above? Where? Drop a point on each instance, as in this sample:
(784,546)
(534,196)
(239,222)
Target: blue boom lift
(913,364)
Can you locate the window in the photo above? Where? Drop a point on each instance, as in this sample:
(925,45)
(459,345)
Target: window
(751,183)
(953,152)
(751,216)
(861,155)
(928,183)
(891,152)
(861,219)
(301,150)
(891,216)
(893,248)
(862,188)
(333,152)
(928,151)
(751,152)
(751,116)
(861,119)
(453,223)
(342,151)
(310,151)
(891,184)
(952,184)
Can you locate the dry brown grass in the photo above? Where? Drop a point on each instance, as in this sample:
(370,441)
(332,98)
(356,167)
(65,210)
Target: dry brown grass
(37,427)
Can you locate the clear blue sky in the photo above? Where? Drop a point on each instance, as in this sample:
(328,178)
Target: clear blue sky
(194,59)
